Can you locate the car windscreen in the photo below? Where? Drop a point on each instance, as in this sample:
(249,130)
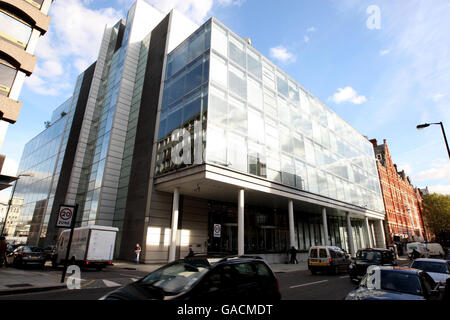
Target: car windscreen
(175,278)
(31,249)
(368,255)
(430,266)
(400,282)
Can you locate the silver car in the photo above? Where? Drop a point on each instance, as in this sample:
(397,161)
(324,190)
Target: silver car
(438,269)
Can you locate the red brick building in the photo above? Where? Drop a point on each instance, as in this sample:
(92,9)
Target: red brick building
(402,201)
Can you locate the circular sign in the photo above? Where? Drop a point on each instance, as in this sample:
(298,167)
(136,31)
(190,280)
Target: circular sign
(65,214)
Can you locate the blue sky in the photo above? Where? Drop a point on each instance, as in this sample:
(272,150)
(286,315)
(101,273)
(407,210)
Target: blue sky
(383,81)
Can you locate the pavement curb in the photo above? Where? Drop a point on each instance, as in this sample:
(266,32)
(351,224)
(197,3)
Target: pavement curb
(31,290)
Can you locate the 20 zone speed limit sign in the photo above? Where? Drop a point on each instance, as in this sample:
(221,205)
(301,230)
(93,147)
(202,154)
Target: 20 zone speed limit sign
(65,217)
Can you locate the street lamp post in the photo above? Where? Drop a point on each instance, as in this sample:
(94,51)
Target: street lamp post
(425,125)
(11,199)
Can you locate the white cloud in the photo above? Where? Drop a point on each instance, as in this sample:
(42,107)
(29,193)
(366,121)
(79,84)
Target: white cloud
(282,54)
(384,52)
(405,166)
(348,94)
(442,189)
(440,170)
(306,39)
(311,29)
(437,97)
(74,35)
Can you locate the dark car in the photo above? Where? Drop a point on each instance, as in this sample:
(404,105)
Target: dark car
(205,279)
(369,257)
(25,255)
(395,283)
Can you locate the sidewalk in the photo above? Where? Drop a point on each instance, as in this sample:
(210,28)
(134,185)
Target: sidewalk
(15,281)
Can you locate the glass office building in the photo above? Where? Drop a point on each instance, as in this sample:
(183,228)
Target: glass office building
(187,136)
(258,121)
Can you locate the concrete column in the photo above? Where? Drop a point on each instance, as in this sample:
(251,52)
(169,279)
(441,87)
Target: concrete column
(174,230)
(325,226)
(241,223)
(351,243)
(293,242)
(383,235)
(369,237)
(372,228)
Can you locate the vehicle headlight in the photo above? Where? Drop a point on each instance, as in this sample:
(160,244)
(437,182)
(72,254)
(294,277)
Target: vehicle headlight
(351,266)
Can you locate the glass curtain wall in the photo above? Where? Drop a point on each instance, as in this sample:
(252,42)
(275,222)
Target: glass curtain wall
(260,121)
(42,158)
(88,193)
(185,99)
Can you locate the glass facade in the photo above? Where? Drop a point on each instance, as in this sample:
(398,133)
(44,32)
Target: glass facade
(42,159)
(93,168)
(185,99)
(261,122)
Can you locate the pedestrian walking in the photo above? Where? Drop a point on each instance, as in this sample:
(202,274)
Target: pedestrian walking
(3,246)
(137,251)
(293,253)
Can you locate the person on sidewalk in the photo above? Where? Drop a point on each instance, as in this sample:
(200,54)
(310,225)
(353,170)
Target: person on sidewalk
(3,246)
(293,252)
(137,251)
(191,253)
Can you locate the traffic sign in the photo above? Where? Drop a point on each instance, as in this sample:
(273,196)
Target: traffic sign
(65,216)
(217,230)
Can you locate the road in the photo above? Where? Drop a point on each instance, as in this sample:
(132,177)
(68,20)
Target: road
(299,285)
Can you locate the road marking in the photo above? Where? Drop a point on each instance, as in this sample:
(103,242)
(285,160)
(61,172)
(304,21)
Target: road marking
(87,284)
(111,283)
(345,277)
(134,279)
(308,284)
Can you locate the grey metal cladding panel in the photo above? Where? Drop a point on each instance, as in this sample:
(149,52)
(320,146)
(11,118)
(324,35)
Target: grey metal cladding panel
(140,169)
(71,148)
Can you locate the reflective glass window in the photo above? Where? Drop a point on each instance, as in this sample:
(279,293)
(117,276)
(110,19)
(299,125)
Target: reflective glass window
(192,106)
(237,51)
(270,104)
(237,152)
(216,145)
(197,45)
(194,75)
(283,111)
(14,30)
(288,171)
(220,73)
(256,159)
(174,118)
(237,116)
(254,63)
(255,126)
(282,85)
(299,146)
(286,140)
(301,176)
(219,41)
(254,93)
(217,109)
(237,82)
(7,76)
(177,59)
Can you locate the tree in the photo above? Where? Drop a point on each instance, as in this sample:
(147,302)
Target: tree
(436,211)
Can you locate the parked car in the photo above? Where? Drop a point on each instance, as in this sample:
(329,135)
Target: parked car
(438,269)
(202,278)
(395,283)
(327,258)
(11,247)
(49,252)
(369,257)
(25,255)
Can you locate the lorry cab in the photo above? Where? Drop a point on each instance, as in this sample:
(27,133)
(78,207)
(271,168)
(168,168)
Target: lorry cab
(327,258)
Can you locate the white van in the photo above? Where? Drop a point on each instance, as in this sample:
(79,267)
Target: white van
(435,250)
(92,246)
(419,246)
